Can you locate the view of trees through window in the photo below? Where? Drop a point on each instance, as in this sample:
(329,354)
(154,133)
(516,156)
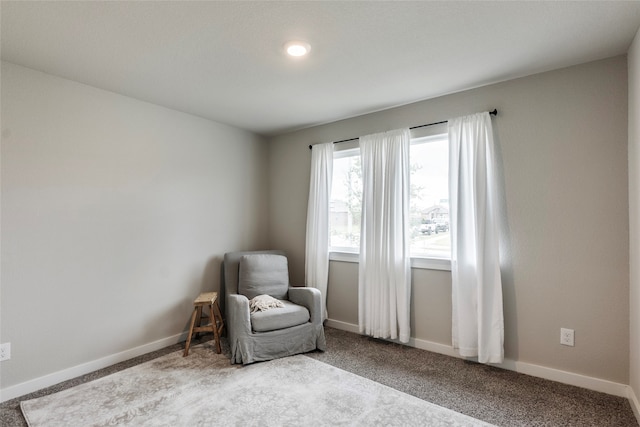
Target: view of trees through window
(429,199)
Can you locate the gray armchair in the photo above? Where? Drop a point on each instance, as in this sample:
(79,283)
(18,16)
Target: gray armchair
(265,335)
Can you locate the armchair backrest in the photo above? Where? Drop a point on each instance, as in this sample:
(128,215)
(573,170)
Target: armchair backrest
(232,268)
(263,274)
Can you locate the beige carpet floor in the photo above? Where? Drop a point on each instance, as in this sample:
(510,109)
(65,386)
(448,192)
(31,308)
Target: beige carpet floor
(500,397)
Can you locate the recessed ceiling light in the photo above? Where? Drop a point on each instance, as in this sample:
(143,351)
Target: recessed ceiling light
(297,48)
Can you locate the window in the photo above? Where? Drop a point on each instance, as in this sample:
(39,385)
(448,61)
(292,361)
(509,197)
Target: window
(429,198)
(346,201)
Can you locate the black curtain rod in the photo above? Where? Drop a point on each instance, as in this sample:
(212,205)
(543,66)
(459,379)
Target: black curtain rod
(493,113)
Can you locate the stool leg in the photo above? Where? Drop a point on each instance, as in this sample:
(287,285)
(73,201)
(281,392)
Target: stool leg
(219,314)
(198,319)
(214,325)
(193,321)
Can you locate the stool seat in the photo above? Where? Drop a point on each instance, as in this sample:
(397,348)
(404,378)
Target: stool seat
(216,322)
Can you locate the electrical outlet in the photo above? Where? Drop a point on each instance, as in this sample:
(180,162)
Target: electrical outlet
(5,351)
(566,337)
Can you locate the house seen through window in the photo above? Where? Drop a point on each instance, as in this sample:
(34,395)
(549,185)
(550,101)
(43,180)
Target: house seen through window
(429,199)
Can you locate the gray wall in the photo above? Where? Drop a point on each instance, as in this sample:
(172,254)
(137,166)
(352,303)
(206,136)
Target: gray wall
(562,139)
(115,214)
(634,213)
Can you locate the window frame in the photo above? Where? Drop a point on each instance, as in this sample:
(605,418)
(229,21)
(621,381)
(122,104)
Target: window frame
(347,254)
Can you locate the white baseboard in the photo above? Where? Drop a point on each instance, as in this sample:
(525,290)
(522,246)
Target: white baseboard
(433,347)
(591,383)
(343,326)
(635,404)
(36,384)
(565,377)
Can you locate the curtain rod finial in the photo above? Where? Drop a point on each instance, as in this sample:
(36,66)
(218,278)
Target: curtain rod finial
(494,112)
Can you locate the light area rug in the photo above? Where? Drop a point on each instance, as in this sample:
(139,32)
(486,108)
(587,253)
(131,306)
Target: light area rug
(203,389)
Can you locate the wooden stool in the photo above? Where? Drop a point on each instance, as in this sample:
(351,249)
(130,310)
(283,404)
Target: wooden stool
(215,317)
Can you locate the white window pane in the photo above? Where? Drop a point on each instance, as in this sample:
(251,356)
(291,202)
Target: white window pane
(429,205)
(346,206)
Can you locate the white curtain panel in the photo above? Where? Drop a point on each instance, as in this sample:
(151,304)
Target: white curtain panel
(478,326)
(317,245)
(384,285)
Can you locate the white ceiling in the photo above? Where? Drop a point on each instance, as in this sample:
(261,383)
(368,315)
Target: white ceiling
(224,60)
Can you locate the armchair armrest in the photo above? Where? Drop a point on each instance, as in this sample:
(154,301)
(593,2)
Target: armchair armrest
(238,321)
(309,298)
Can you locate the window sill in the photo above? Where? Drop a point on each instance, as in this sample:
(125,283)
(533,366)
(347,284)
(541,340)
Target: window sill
(416,262)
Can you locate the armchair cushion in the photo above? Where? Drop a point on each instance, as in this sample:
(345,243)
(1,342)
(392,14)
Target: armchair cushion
(263,274)
(279,318)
